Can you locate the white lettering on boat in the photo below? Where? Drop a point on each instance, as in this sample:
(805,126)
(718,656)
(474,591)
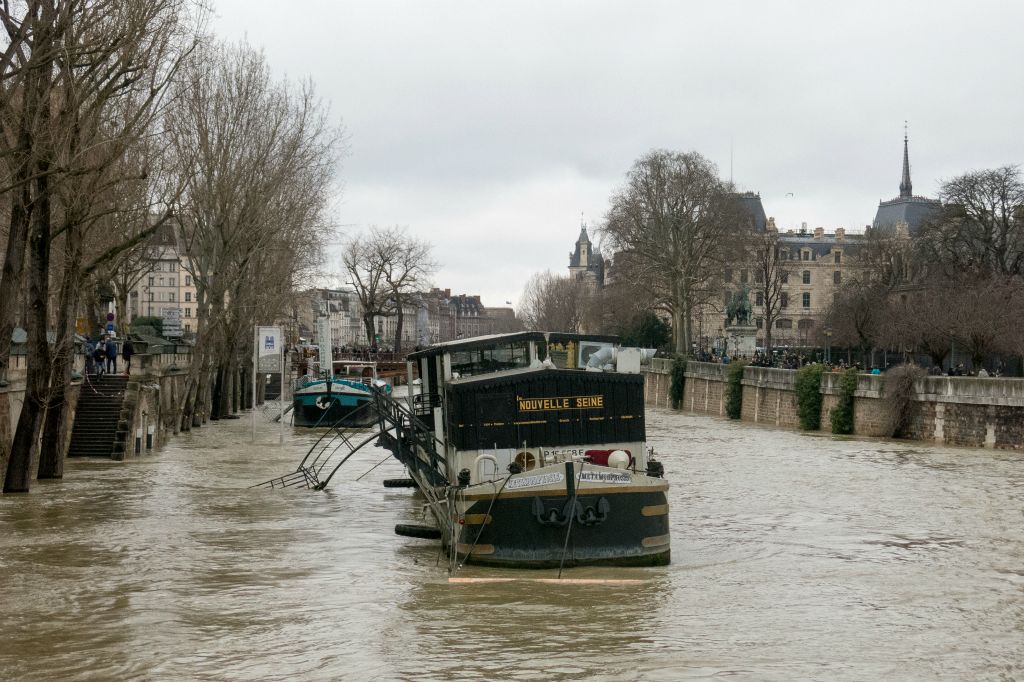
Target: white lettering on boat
(605,477)
(532,481)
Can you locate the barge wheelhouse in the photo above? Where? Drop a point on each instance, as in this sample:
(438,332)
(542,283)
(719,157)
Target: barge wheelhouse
(539,456)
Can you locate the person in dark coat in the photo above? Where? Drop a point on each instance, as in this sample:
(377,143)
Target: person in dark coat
(100,355)
(127,351)
(111,356)
(90,358)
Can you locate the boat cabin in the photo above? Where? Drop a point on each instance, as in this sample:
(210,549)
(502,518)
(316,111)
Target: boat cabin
(514,402)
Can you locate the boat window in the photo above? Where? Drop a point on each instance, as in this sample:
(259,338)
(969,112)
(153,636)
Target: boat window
(494,359)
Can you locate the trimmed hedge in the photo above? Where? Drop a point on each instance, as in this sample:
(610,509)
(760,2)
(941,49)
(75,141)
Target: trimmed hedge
(808,396)
(842,415)
(675,391)
(734,389)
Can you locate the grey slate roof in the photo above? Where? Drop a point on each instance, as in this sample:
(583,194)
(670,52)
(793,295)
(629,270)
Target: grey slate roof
(751,203)
(913,211)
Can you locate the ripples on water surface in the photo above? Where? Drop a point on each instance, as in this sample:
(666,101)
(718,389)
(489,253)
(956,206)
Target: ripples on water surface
(794,557)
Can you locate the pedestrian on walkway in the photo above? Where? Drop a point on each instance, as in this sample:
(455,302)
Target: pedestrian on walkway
(100,356)
(90,359)
(127,351)
(111,356)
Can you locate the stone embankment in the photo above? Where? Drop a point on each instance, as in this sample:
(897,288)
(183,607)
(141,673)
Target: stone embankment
(979,412)
(150,398)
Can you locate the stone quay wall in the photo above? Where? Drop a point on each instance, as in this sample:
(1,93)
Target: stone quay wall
(148,416)
(149,413)
(968,411)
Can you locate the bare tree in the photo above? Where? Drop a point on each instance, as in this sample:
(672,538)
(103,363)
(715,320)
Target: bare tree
(90,79)
(407,263)
(980,230)
(554,303)
(263,157)
(771,272)
(367,266)
(671,222)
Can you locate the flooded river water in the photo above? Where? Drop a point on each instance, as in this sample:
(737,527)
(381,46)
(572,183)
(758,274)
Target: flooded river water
(793,557)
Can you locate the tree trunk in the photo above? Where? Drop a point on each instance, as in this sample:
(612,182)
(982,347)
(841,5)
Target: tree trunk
(398,331)
(677,330)
(10,282)
(121,303)
(217,391)
(687,323)
(370,332)
(51,456)
(26,438)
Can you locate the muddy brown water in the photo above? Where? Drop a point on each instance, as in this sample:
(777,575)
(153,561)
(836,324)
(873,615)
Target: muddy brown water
(794,557)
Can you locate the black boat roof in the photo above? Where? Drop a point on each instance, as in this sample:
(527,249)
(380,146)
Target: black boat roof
(492,339)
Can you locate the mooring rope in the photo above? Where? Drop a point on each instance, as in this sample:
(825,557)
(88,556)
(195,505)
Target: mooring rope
(568,530)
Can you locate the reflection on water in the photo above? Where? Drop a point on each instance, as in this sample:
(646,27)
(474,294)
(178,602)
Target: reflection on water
(793,557)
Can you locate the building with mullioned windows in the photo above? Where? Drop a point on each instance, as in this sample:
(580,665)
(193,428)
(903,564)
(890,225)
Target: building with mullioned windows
(818,264)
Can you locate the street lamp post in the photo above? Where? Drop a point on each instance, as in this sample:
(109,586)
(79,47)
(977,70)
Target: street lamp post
(828,345)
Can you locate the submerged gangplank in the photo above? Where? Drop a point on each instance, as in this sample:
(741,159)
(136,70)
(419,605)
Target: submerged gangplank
(529,449)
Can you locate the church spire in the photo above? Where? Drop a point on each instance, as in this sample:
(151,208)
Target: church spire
(906,188)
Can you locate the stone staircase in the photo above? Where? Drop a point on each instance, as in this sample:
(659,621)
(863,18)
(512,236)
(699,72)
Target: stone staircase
(105,406)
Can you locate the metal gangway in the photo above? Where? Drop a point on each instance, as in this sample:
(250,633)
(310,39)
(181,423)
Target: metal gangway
(399,428)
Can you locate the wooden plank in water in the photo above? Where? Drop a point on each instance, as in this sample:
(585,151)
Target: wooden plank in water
(561,581)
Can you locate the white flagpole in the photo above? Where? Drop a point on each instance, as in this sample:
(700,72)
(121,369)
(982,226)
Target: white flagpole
(255,366)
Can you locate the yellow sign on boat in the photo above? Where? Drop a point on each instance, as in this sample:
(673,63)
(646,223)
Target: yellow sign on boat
(572,402)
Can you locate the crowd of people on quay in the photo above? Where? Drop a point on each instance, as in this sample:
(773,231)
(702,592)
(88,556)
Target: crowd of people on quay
(789,359)
(101,355)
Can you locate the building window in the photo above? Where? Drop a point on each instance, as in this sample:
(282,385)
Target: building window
(151,296)
(170,297)
(188,327)
(188,280)
(743,277)
(760,323)
(807,299)
(837,277)
(170,281)
(151,280)
(759,277)
(188,296)
(806,255)
(759,300)
(785,278)
(727,275)
(783,324)
(839,257)
(805,325)
(188,312)
(784,300)
(807,276)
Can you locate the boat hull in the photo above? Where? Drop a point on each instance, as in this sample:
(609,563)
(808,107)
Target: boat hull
(321,409)
(608,527)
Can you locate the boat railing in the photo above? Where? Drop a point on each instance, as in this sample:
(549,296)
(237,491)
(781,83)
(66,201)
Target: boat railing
(335,446)
(424,403)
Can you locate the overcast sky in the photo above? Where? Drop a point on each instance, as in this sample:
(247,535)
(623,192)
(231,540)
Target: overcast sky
(488,127)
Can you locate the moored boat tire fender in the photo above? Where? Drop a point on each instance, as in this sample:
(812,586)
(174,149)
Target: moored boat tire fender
(411,530)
